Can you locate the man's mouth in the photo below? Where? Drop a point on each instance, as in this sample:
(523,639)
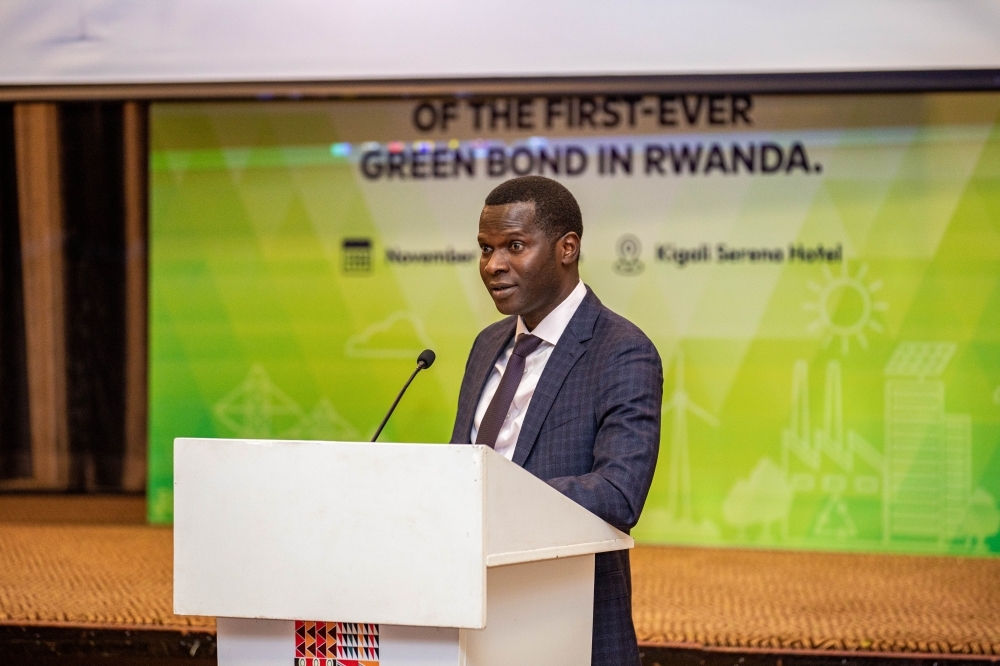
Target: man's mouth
(501,290)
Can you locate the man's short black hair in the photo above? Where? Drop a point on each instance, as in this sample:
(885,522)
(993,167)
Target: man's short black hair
(556,210)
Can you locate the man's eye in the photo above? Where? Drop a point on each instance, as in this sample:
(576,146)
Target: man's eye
(485,248)
(517,246)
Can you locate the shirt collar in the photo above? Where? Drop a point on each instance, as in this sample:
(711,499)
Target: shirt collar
(551,328)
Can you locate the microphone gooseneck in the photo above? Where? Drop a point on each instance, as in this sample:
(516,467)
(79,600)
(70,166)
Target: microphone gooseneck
(424,361)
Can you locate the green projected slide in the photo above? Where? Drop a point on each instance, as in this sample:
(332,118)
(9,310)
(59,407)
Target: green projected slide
(821,275)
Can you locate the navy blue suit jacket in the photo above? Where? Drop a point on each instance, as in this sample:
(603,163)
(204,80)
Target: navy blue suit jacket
(592,432)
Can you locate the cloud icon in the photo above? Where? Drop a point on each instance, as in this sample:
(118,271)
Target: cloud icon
(400,335)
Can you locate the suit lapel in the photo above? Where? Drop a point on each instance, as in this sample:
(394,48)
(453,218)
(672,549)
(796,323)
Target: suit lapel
(572,345)
(480,366)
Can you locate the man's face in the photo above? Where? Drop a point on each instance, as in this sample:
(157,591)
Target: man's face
(519,263)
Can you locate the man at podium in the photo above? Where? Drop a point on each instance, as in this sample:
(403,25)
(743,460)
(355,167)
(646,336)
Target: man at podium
(563,387)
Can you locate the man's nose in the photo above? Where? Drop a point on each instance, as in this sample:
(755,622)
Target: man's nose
(496,263)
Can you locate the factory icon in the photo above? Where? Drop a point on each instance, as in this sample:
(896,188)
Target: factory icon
(833,460)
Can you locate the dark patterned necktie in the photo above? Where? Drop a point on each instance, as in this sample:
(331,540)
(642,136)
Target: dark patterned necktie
(496,413)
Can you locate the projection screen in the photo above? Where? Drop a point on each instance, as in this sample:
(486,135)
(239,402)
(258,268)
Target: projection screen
(820,273)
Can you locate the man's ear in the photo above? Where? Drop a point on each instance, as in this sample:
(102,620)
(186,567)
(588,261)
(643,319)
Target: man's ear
(568,248)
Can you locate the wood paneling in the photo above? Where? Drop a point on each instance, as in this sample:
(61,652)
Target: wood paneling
(135,128)
(36,130)
(46,507)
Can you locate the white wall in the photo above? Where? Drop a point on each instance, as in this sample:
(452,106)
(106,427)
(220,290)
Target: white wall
(116,41)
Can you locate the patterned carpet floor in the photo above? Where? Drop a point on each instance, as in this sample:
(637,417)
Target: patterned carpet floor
(817,601)
(107,576)
(100,576)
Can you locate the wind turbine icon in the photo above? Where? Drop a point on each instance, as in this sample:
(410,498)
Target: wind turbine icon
(679,497)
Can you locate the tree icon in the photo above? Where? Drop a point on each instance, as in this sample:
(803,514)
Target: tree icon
(764,498)
(982,520)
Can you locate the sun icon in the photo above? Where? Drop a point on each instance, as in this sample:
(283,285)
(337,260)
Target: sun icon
(845,306)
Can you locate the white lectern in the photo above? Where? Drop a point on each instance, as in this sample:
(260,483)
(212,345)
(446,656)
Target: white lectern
(345,553)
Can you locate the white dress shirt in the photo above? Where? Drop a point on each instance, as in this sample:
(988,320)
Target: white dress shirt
(549,330)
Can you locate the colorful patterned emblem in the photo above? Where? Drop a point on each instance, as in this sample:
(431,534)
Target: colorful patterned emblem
(336,644)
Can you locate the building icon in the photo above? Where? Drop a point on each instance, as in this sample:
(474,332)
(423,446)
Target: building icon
(928,452)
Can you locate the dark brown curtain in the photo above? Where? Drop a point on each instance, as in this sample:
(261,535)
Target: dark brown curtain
(92,159)
(91,163)
(15,446)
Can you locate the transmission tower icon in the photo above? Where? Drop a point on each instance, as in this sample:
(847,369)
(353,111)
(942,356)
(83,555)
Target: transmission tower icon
(257,407)
(679,507)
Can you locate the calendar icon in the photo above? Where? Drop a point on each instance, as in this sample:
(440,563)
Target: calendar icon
(356,255)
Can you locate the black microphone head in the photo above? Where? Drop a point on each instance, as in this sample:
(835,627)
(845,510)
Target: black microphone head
(426,359)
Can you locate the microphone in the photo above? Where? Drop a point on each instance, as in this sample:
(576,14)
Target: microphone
(424,361)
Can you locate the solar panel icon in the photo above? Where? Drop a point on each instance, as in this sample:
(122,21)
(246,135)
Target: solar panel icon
(920,359)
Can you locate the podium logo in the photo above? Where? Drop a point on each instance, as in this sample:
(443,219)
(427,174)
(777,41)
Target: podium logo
(356,255)
(336,644)
(628,249)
